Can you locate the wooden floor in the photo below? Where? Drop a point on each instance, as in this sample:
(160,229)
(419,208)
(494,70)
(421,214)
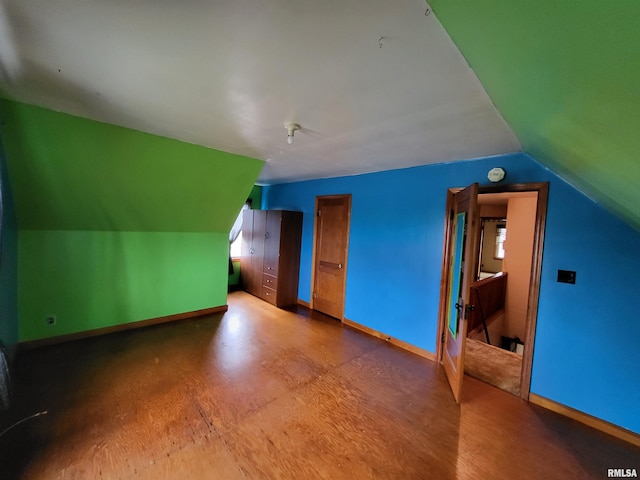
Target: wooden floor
(262,393)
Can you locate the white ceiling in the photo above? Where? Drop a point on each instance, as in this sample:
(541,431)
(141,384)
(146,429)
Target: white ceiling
(227,74)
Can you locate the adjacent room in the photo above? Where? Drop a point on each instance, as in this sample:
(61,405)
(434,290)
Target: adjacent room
(355,240)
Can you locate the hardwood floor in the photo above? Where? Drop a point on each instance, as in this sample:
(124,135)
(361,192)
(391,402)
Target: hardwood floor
(263,393)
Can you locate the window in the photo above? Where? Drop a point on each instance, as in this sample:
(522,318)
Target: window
(236,246)
(501,237)
(235,235)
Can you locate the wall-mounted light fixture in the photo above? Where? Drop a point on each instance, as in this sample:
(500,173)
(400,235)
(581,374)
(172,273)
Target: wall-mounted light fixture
(496,174)
(291,127)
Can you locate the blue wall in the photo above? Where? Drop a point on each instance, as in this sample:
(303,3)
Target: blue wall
(585,352)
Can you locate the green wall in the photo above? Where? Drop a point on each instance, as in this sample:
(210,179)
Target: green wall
(112,278)
(565,77)
(115,225)
(70,173)
(8,263)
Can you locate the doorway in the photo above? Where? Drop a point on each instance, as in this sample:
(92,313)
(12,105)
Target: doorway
(330,251)
(496,334)
(469,304)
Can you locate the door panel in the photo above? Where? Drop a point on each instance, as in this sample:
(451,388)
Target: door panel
(330,258)
(253,228)
(463,234)
(247,256)
(272,242)
(247,233)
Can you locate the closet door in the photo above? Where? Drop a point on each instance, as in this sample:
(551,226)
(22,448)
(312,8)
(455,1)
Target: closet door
(252,250)
(289,259)
(331,246)
(272,242)
(271,255)
(246,254)
(259,230)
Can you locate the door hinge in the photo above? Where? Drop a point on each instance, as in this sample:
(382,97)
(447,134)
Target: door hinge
(451,215)
(442,338)
(313,295)
(319,212)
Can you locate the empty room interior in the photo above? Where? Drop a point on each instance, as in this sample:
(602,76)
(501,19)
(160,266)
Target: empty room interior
(333,240)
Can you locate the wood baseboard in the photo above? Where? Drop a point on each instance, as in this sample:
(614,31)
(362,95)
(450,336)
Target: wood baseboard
(598,424)
(394,341)
(119,328)
(303,303)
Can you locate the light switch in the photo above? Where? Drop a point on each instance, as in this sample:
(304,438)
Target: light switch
(566,276)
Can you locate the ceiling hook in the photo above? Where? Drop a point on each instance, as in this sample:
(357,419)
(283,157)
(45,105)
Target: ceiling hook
(380,38)
(427,12)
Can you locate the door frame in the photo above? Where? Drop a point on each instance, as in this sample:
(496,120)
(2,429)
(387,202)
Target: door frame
(542,188)
(347,196)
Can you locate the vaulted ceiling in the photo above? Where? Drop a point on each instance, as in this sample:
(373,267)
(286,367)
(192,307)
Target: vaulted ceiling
(374,85)
(566,77)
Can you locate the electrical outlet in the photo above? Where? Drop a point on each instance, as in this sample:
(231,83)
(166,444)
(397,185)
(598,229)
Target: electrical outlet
(51,319)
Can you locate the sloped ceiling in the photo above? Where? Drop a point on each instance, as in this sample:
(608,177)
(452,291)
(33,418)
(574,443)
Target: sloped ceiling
(375,85)
(71,173)
(566,77)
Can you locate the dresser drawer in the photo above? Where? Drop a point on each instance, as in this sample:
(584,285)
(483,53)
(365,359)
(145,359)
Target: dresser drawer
(268,294)
(270,267)
(269,280)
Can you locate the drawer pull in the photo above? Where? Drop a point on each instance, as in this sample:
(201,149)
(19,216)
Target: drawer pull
(330,264)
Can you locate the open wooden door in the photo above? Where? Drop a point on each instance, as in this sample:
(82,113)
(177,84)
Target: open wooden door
(331,243)
(463,246)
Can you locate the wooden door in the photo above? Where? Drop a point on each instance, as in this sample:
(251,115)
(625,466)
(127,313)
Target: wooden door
(259,230)
(331,244)
(246,255)
(273,225)
(253,228)
(463,247)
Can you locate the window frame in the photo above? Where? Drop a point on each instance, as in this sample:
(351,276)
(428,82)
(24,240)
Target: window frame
(501,238)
